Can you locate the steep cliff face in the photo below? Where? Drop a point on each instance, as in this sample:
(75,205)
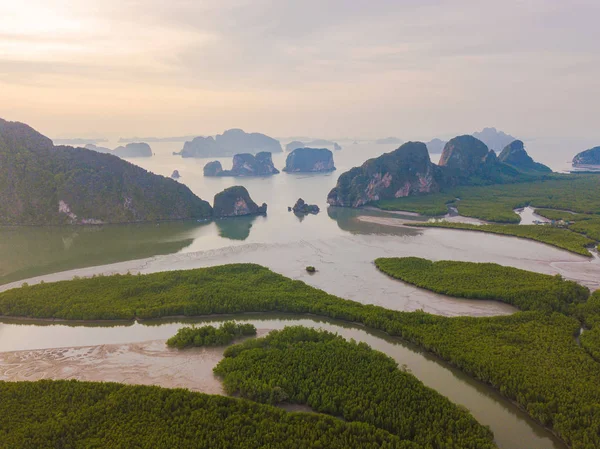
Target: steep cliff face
(231,142)
(43,184)
(309,160)
(468,161)
(588,157)
(466,155)
(403,172)
(235,201)
(514,154)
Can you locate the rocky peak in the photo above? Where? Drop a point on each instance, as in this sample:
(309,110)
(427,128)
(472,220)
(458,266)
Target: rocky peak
(213,168)
(514,154)
(465,155)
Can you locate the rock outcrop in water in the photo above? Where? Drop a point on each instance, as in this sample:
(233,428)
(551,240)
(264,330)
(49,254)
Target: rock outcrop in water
(135,149)
(309,160)
(403,172)
(302,208)
(244,164)
(514,154)
(587,157)
(235,201)
(409,171)
(175,174)
(43,184)
(231,142)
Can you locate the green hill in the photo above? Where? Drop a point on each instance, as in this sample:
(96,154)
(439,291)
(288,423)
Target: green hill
(45,184)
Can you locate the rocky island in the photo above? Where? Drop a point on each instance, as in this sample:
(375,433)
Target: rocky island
(175,174)
(45,184)
(302,208)
(234,202)
(309,160)
(244,164)
(230,143)
(587,157)
(409,171)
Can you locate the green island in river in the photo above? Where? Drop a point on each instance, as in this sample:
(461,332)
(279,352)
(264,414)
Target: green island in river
(531,357)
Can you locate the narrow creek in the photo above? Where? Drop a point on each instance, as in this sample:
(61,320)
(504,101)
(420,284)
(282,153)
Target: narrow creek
(512,428)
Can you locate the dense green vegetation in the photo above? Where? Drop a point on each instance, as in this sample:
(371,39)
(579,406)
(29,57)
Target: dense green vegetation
(559,237)
(524,289)
(340,378)
(589,314)
(36,176)
(577,193)
(70,414)
(532,358)
(210,335)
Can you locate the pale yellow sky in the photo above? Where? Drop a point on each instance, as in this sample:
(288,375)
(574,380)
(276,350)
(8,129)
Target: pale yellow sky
(414,69)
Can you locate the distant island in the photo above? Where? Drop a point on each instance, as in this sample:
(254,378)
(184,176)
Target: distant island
(155,139)
(45,184)
(244,164)
(389,141)
(79,141)
(131,150)
(312,144)
(494,139)
(435,146)
(409,171)
(309,160)
(136,149)
(587,157)
(231,142)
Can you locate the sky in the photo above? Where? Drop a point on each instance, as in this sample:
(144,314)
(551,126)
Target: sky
(415,69)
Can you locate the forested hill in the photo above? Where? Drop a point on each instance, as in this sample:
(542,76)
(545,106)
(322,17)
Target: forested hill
(45,184)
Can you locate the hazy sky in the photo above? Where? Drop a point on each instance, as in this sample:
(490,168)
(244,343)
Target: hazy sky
(327,68)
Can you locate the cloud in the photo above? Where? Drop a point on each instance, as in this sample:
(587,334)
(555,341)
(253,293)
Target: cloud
(433,65)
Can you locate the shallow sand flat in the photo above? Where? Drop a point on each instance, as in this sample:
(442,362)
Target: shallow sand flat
(345,265)
(146,363)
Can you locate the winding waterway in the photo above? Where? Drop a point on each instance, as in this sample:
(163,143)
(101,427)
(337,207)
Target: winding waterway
(108,353)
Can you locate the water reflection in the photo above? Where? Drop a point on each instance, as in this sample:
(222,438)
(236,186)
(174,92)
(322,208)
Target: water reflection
(32,251)
(236,228)
(347,220)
